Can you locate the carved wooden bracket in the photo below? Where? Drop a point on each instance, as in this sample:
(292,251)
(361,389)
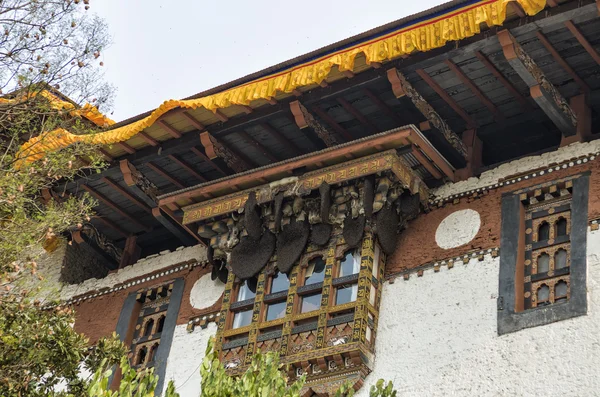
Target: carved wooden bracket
(88,234)
(133,177)
(214,148)
(542,91)
(401,87)
(304,119)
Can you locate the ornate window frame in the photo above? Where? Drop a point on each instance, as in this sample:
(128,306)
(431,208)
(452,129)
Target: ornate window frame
(515,308)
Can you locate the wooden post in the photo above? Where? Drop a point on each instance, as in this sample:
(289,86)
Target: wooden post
(584,121)
(474,155)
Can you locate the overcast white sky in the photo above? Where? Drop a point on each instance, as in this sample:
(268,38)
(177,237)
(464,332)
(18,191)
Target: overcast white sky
(166,49)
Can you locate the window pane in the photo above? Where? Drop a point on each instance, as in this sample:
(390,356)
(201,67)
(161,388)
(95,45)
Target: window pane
(543,294)
(345,294)
(279,282)
(241,319)
(350,264)
(310,303)
(275,311)
(315,272)
(544,232)
(244,292)
(561,227)
(560,290)
(560,259)
(543,263)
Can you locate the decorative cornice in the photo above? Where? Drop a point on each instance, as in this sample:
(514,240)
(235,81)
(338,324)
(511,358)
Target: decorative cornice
(449,262)
(515,178)
(171,270)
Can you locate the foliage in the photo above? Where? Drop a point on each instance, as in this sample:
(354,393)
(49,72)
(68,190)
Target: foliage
(39,349)
(133,383)
(263,378)
(44,45)
(379,389)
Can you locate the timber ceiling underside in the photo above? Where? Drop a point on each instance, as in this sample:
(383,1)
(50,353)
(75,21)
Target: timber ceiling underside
(510,124)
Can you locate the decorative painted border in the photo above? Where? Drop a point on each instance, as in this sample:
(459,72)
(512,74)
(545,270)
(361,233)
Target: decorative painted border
(449,262)
(510,180)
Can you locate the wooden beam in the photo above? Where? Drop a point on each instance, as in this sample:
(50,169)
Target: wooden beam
(248,138)
(179,220)
(583,112)
(188,167)
(304,119)
(382,105)
(167,127)
(281,138)
(507,84)
(166,175)
(126,194)
(131,252)
(115,207)
(205,158)
(583,41)
(214,148)
(474,155)
(560,60)
(517,9)
(173,226)
(219,115)
(385,141)
(151,141)
(348,73)
(246,109)
(193,121)
(426,110)
(552,3)
(474,89)
(106,154)
(357,115)
(112,225)
(444,95)
(331,121)
(541,89)
(429,166)
(125,147)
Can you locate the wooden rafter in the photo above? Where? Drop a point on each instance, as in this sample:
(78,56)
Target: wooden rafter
(304,119)
(112,225)
(126,194)
(166,175)
(214,148)
(204,157)
(281,138)
(143,188)
(179,222)
(403,86)
(151,141)
(193,121)
(126,147)
(503,80)
(357,115)
(474,89)
(429,166)
(331,121)
(561,61)
(382,105)
(583,41)
(263,150)
(518,9)
(542,91)
(188,167)
(219,115)
(170,129)
(446,97)
(115,207)
(106,154)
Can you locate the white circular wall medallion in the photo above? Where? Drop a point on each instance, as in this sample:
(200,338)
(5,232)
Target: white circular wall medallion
(458,229)
(205,292)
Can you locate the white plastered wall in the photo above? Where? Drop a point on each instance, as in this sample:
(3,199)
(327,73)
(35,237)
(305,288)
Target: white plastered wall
(437,337)
(185,357)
